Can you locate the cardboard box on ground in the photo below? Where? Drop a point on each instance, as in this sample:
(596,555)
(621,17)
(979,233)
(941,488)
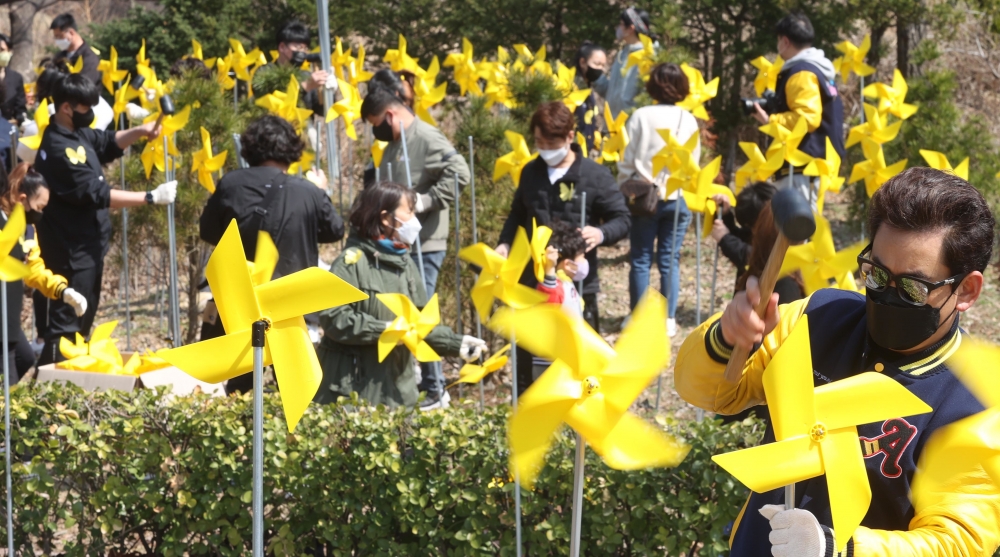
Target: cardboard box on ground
(180,383)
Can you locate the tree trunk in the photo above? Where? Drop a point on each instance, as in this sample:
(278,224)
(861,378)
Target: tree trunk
(22,19)
(903,47)
(874,54)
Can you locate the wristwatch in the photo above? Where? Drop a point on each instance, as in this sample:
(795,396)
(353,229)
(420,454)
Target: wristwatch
(149,198)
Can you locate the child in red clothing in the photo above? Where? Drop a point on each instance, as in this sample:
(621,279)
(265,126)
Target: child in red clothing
(565,266)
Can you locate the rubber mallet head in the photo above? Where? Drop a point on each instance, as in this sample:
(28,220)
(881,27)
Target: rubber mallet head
(793,215)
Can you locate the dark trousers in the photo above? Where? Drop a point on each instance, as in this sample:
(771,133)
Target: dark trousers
(20,357)
(61,320)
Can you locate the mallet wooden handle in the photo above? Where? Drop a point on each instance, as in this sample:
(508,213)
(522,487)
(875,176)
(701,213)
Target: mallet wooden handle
(734,369)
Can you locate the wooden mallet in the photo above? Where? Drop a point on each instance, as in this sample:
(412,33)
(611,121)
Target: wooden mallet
(793,217)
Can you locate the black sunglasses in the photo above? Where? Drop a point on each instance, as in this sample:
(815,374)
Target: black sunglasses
(912,290)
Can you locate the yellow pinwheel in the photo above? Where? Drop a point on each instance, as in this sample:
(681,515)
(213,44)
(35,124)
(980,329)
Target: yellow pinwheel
(767,74)
(99,354)
(243,61)
(349,106)
(787,141)
(699,190)
(499,276)
(513,162)
(828,171)
(960,447)
(427,93)
(644,58)
(121,97)
(265,259)
(10,268)
(540,236)
(590,387)
(939,161)
(339,59)
(399,60)
(282,303)
(356,68)
(222,68)
(378,147)
(140,57)
(875,128)
(816,431)
(33,142)
(285,104)
(205,163)
(110,72)
(758,168)
(152,154)
(873,169)
(676,157)
(698,93)
(473,373)
(466,72)
(196,53)
(304,164)
(76,67)
(496,75)
(616,140)
(528,62)
(410,327)
(820,263)
(892,97)
(565,79)
(139,363)
(853,59)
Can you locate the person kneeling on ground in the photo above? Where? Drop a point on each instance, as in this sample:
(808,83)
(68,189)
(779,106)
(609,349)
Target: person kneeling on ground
(376,260)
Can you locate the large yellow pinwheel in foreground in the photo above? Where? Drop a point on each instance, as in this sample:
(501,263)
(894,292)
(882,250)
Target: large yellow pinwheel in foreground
(281,303)
(675,157)
(466,71)
(10,268)
(828,171)
(499,277)
(873,169)
(616,139)
(959,448)
(939,161)
(816,431)
(474,373)
(819,261)
(513,162)
(205,163)
(110,74)
(410,327)
(758,167)
(767,74)
(349,106)
(853,59)
(876,128)
(590,386)
(786,142)
(699,92)
(892,97)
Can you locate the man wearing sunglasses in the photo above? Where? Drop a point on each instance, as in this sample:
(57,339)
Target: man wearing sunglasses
(932,238)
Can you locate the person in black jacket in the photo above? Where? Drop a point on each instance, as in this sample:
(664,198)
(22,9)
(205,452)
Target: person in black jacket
(552,187)
(72,46)
(734,231)
(14,104)
(295,212)
(75,230)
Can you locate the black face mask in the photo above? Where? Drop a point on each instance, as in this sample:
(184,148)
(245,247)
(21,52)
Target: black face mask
(592,74)
(83,119)
(899,326)
(383,131)
(32,217)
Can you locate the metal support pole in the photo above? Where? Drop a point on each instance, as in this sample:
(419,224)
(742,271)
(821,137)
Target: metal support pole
(13,148)
(458,269)
(583,223)
(236,93)
(789,497)
(239,151)
(128,298)
(8,445)
(697,271)
(578,480)
(332,151)
(409,184)
(175,304)
(257,342)
(475,240)
(517,476)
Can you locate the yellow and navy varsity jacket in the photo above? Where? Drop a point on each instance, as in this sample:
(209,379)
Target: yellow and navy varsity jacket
(964,522)
(39,276)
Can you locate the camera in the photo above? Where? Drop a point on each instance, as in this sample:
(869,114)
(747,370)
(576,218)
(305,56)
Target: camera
(766,102)
(299,57)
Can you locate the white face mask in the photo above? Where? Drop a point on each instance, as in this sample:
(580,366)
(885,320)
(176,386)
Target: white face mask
(63,44)
(409,231)
(553,157)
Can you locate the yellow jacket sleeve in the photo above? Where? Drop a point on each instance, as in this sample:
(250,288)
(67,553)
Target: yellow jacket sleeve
(699,375)
(804,99)
(960,523)
(45,281)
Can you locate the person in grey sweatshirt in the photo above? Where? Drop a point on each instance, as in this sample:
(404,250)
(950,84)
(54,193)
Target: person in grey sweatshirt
(620,86)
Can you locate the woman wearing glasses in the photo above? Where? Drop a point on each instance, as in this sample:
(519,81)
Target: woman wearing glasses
(932,238)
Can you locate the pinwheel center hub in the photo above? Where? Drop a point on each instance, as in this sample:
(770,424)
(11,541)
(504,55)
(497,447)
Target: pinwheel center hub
(590,386)
(818,432)
(267,325)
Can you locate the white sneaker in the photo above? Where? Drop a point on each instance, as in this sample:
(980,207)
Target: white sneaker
(671,327)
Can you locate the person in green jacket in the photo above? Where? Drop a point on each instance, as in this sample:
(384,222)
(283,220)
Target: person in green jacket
(377,260)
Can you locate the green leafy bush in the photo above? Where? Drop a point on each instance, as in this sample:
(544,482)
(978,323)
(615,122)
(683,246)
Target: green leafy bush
(143,473)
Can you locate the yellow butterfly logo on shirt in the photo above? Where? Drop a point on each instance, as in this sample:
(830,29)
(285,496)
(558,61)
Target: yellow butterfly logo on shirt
(566,192)
(79,156)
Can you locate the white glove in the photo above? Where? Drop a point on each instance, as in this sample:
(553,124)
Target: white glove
(75,300)
(331,83)
(165,193)
(150,94)
(472,348)
(794,533)
(419,208)
(135,112)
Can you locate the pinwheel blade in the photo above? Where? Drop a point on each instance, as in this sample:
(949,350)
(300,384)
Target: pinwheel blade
(863,399)
(634,444)
(640,353)
(975,364)
(847,482)
(215,360)
(517,260)
(768,467)
(954,451)
(788,385)
(103,331)
(429,317)
(231,284)
(548,331)
(265,258)
(390,338)
(12,270)
(296,367)
(542,408)
(305,291)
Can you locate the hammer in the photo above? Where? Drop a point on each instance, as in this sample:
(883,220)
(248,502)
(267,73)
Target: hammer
(166,109)
(793,217)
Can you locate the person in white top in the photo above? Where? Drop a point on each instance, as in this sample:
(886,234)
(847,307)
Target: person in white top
(667,85)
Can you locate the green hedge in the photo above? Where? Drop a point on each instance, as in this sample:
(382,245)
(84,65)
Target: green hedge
(140,473)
